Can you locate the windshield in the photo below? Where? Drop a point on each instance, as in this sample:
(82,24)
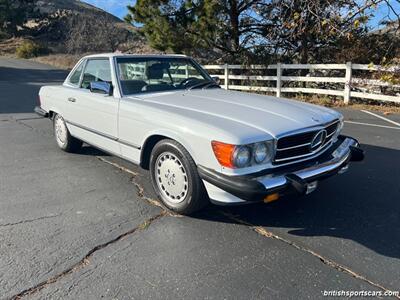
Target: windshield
(151,74)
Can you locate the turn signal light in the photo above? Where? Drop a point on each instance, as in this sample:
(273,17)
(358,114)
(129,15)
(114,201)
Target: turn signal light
(271,198)
(223,152)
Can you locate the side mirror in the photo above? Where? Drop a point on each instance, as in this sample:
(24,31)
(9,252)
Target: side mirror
(101,87)
(216,79)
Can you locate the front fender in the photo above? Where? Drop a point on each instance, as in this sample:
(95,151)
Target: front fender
(171,135)
(198,146)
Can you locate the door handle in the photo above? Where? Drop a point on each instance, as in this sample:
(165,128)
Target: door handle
(71,99)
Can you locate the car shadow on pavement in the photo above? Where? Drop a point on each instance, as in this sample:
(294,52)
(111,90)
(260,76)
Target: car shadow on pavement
(92,151)
(24,83)
(362,205)
(32,75)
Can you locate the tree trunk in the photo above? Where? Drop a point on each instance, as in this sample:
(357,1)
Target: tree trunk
(234,18)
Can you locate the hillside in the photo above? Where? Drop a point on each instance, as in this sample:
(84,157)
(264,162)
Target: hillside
(52,6)
(73,27)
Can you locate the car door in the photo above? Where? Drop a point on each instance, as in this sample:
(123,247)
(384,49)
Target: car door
(92,116)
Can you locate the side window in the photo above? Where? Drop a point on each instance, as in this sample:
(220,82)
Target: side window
(76,76)
(96,70)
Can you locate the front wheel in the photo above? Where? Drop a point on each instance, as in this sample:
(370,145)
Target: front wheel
(63,138)
(175,178)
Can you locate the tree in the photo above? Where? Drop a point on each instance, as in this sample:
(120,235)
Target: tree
(228,29)
(14,13)
(377,43)
(253,30)
(94,33)
(303,28)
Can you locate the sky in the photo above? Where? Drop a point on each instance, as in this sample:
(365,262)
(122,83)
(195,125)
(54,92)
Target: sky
(115,7)
(118,8)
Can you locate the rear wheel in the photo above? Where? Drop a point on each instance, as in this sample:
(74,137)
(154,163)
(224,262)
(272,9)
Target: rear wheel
(64,139)
(175,178)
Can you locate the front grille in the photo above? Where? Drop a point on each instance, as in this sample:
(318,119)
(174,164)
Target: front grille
(297,146)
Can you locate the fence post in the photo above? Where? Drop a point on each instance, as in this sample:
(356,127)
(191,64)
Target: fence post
(347,86)
(278,79)
(187,71)
(226,76)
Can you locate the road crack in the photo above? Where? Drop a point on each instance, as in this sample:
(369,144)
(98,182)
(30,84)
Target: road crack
(39,131)
(30,220)
(121,168)
(85,261)
(258,229)
(341,268)
(29,119)
(139,189)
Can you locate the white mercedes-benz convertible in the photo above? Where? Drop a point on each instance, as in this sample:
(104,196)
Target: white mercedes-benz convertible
(201,143)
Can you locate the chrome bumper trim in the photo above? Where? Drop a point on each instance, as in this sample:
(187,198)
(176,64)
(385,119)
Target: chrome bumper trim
(276,182)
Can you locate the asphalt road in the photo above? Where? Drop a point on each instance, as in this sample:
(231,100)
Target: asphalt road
(85,226)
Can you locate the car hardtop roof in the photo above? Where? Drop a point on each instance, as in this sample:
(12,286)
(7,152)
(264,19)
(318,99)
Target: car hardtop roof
(112,55)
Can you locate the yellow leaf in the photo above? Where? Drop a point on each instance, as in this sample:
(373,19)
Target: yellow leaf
(371,65)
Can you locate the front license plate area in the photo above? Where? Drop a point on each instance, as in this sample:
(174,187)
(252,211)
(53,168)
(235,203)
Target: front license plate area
(311,187)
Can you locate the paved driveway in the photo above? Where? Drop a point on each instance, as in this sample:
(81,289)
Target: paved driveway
(86,226)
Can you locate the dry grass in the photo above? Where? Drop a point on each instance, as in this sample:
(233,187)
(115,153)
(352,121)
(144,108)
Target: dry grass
(62,61)
(8,47)
(386,108)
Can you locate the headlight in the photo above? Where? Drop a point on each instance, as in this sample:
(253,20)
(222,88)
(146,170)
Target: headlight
(240,156)
(262,152)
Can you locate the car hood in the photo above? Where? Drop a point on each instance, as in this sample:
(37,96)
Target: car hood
(271,115)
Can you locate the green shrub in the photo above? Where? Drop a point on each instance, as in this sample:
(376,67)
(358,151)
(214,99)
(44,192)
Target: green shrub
(29,49)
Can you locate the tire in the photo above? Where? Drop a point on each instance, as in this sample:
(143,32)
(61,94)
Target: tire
(64,139)
(175,178)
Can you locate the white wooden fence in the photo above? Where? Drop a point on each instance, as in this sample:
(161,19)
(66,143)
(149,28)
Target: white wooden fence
(348,80)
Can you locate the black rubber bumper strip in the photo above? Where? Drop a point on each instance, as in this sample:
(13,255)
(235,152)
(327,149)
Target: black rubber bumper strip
(41,112)
(251,190)
(246,189)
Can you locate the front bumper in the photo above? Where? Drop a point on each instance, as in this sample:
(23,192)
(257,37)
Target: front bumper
(290,179)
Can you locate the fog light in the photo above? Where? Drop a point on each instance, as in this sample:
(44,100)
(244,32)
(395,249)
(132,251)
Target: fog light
(271,198)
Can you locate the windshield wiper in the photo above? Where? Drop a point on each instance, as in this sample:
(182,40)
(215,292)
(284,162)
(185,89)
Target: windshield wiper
(211,84)
(201,84)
